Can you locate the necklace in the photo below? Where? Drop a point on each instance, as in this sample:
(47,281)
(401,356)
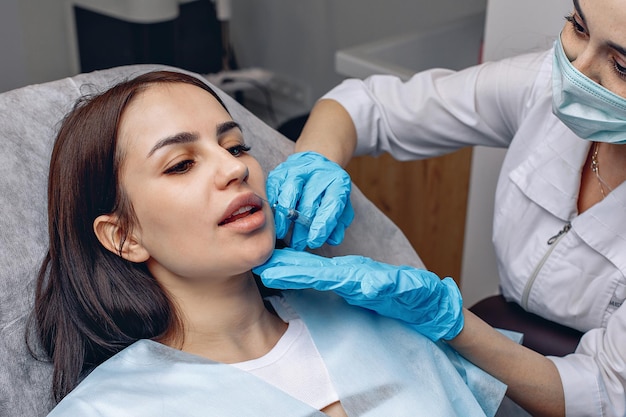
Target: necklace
(595,167)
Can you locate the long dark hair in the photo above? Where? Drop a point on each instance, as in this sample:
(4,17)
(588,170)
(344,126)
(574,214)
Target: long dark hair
(91,303)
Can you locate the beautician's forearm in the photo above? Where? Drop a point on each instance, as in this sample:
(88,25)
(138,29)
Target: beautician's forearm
(330,131)
(533,380)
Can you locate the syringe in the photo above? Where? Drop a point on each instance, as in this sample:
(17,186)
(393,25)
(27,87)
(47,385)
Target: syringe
(291,214)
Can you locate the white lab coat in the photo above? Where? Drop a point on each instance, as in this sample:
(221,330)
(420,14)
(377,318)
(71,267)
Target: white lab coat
(378,367)
(579,280)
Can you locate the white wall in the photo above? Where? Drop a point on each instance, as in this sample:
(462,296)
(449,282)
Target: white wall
(46,50)
(11,47)
(33,42)
(512,27)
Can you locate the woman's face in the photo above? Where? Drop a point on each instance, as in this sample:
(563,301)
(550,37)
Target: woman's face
(193,186)
(594,40)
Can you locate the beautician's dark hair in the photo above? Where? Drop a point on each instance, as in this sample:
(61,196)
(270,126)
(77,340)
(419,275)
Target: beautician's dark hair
(91,303)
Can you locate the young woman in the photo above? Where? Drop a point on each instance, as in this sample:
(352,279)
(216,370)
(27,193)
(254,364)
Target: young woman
(146,302)
(560,217)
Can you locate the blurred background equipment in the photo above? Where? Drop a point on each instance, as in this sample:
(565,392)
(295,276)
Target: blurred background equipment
(114,33)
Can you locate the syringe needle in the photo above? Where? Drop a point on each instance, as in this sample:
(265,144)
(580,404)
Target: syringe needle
(291,214)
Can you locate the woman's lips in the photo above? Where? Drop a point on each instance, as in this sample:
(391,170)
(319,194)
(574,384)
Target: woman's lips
(240,213)
(241,208)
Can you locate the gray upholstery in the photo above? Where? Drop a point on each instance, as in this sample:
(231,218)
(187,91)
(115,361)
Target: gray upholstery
(29,118)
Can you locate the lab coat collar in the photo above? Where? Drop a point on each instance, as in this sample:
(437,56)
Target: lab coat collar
(550,176)
(606,231)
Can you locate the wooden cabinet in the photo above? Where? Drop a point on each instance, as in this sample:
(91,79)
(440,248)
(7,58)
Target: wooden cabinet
(427,199)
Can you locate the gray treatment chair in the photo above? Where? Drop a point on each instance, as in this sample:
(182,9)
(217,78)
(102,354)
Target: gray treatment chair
(29,119)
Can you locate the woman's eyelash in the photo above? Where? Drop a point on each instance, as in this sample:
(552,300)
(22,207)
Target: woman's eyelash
(621,71)
(180,167)
(577,26)
(238,149)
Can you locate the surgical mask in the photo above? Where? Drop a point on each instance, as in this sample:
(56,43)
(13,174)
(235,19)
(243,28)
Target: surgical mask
(588,109)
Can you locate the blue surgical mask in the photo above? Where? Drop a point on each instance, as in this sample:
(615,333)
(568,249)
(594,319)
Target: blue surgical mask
(588,109)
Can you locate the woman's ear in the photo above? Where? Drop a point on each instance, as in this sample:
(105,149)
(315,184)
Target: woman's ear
(107,230)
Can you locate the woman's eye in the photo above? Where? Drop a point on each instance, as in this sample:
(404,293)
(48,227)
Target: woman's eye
(238,149)
(180,167)
(620,69)
(577,26)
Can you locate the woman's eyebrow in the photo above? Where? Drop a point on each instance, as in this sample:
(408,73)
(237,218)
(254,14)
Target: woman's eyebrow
(183,137)
(225,127)
(618,48)
(578,9)
(187,137)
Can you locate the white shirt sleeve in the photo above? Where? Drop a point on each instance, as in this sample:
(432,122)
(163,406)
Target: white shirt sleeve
(594,377)
(438,111)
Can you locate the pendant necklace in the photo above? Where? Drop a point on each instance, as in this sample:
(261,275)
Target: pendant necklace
(595,167)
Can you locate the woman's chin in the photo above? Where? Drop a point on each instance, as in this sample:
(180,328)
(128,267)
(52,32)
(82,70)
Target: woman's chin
(265,256)
(261,253)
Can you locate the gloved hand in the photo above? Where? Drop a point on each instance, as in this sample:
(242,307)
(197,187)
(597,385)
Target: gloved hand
(319,189)
(434,307)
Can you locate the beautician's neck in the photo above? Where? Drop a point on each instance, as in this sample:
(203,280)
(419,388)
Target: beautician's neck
(618,150)
(612,161)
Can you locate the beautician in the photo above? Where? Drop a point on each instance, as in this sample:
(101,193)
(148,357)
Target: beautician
(560,209)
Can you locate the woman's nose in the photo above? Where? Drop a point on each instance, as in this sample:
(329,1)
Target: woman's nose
(587,63)
(230,170)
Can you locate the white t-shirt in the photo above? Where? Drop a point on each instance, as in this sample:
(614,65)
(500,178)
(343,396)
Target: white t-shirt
(295,366)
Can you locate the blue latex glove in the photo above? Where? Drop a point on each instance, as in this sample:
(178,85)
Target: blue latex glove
(434,307)
(319,189)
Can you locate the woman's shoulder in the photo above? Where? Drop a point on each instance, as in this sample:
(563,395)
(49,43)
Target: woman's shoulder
(134,375)
(530,75)
(96,385)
